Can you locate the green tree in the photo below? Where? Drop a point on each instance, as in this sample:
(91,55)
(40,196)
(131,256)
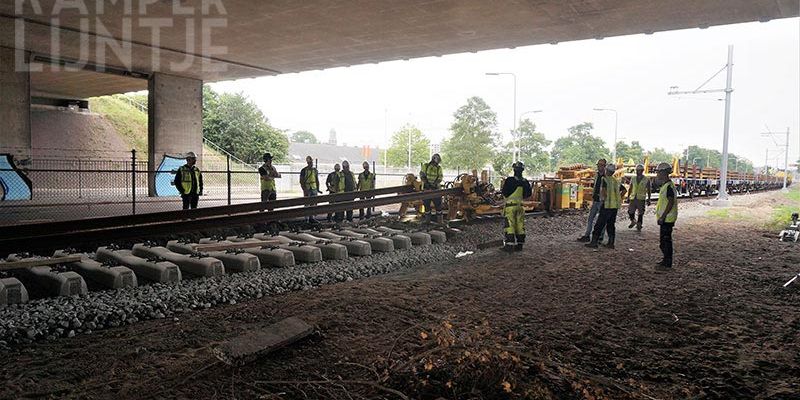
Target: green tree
(703,157)
(473,137)
(659,155)
(503,159)
(579,147)
(303,137)
(630,152)
(237,125)
(532,152)
(397,153)
(739,164)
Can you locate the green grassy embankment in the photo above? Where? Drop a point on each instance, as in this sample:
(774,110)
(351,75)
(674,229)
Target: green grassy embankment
(782,212)
(129,121)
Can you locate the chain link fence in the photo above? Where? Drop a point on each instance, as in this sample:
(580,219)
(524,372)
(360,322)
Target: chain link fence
(42,189)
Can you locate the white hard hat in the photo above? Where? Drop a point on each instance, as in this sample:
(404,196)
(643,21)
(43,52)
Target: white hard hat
(611,168)
(190,155)
(664,167)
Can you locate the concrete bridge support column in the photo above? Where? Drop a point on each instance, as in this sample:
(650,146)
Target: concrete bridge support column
(175,120)
(15,104)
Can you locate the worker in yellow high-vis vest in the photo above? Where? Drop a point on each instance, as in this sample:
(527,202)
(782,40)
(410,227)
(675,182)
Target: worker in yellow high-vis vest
(431,176)
(332,182)
(268,174)
(189,182)
(611,192)
(638,196)
(309,182)
(347,183)
(515,189)
(666,213)
(366,181)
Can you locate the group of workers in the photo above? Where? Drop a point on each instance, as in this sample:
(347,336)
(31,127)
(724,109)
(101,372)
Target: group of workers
(607,196)
(189,182)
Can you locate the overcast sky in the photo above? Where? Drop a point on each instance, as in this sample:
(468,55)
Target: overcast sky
(631,74)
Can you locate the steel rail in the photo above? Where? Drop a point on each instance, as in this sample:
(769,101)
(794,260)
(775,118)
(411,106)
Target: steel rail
(28,230)
(48,241)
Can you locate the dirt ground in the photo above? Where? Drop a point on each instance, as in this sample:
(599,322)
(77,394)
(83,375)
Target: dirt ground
(554,321)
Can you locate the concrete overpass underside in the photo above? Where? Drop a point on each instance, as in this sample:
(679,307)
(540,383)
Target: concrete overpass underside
(273,37)
(171,48)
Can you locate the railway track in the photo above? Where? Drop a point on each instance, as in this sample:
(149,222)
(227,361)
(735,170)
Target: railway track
(41,260)
(249,265)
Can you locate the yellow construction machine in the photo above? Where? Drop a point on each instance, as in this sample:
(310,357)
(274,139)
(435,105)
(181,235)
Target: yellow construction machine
(479,197)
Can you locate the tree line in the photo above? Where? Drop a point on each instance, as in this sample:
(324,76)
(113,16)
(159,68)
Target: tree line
(475,142)
(236,124)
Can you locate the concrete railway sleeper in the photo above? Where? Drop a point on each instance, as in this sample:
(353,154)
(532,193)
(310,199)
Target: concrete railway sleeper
(248,266)
(158,272)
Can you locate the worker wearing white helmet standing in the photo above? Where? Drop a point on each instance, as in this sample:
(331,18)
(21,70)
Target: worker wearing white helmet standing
(189,182)
(611,191)
(666,212)
(637,197)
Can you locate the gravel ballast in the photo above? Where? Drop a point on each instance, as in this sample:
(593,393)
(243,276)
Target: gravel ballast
(52,318)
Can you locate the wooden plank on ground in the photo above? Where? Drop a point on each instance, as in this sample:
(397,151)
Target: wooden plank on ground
(236,245)
(30,263)
(248,347)
(489,245)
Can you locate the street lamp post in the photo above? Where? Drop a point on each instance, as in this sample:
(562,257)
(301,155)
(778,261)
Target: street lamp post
(514,129)
(616,124)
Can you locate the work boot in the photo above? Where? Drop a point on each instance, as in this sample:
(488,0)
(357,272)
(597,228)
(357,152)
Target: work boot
(509,243)
(663,266)
(518,247)
(632,224)
(584,239)
(638,227)
(610,244)
(593,244)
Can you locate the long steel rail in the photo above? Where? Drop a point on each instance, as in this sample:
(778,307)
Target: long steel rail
(90,231)
(27,230)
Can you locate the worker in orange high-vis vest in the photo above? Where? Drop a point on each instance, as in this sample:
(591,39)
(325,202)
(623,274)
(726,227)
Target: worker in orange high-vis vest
(666,213)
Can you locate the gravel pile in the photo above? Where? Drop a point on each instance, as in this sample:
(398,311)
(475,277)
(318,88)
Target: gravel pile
(51,318)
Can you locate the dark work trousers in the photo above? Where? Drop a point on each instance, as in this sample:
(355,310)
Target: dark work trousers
(369,210)
(666,242)
(636,205)
(606,220)
(341,215)
(310,193)
(433,204)
(190,200)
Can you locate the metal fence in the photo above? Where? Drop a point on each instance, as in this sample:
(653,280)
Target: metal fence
(66,189)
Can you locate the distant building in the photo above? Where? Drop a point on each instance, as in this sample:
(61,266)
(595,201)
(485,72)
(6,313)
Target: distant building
(332,137)
(434,148)
(331,154)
